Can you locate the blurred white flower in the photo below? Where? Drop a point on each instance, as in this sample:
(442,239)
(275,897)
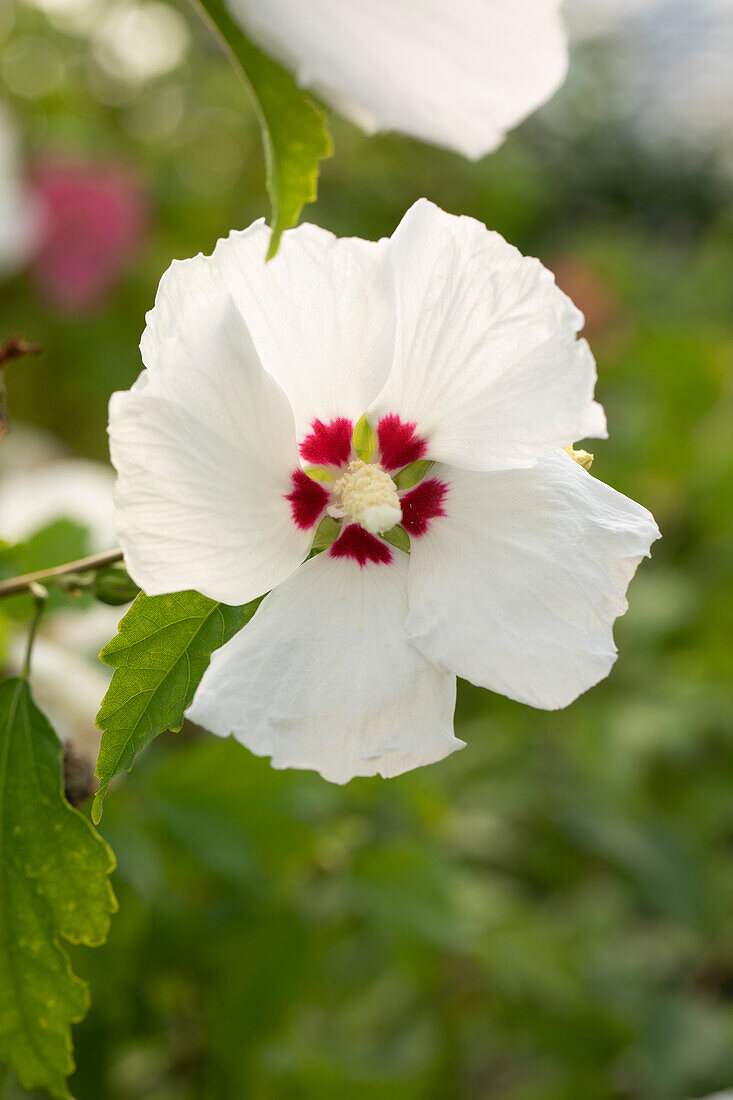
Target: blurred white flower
(590,18)
(251,431)
(80,17)
(669,68)
(132,41)
(71,488)
(25,448)
(18,214)
(135,42)
(457,74)
(67,679)
(67,687)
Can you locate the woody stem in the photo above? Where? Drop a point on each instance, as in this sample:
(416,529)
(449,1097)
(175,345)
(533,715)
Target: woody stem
(84,565)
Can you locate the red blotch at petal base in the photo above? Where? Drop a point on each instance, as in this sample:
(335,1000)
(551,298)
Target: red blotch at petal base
(354,542)
(307,500)
(328,444)
(398,443)
(421,505)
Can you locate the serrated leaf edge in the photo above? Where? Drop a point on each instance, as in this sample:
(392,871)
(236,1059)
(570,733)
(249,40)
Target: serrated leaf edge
(103,787)
(58,938)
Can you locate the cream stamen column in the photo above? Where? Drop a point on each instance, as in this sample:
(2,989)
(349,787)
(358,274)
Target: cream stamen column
(368,495)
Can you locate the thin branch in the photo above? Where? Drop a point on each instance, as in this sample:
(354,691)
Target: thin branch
(84,565)
(15,347)
(40,597)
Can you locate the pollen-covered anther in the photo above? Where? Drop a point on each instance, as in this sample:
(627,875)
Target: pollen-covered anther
(583,458)
(368,495)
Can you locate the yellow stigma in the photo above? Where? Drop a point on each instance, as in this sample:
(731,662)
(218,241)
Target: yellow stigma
(368,495)
(583,458)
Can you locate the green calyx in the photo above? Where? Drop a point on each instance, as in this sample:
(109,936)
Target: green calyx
(318,473)
(364,441)
(326,534)
(398,537)
(412,474)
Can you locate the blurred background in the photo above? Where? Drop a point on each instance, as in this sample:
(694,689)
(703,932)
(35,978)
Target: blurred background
(547,915)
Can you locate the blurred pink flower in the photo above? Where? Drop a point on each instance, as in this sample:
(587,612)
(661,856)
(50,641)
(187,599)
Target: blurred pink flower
(95,221)
(590,292)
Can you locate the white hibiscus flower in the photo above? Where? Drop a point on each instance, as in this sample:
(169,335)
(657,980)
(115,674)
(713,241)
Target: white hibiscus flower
(460,352)
(18,216)
(457,74)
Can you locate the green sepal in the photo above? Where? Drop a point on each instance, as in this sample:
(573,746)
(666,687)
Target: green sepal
(398,537)
(412,474)
(364,441)
(318,473)
(326,533)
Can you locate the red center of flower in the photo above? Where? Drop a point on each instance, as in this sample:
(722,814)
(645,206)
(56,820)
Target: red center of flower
(330,445)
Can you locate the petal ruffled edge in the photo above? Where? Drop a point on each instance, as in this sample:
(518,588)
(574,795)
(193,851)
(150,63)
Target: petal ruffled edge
(488,367)
(323,677)
(517,588)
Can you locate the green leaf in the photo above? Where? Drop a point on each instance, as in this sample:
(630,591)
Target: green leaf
(412,474)
(54,883)
(398,537)
(364,441)
(294,129)
(162,649)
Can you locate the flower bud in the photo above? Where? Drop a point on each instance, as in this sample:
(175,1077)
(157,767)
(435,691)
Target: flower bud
(114,586)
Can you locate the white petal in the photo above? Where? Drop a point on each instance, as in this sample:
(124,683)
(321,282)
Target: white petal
(76,489)
(518,587)
(320,313)
(323,677)
(487,360)
(457,74)
(204,446)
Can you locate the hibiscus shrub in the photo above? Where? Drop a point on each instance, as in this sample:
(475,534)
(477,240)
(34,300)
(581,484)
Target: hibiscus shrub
(350,498)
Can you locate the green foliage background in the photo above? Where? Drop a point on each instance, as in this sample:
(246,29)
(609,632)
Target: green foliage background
(547,915)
